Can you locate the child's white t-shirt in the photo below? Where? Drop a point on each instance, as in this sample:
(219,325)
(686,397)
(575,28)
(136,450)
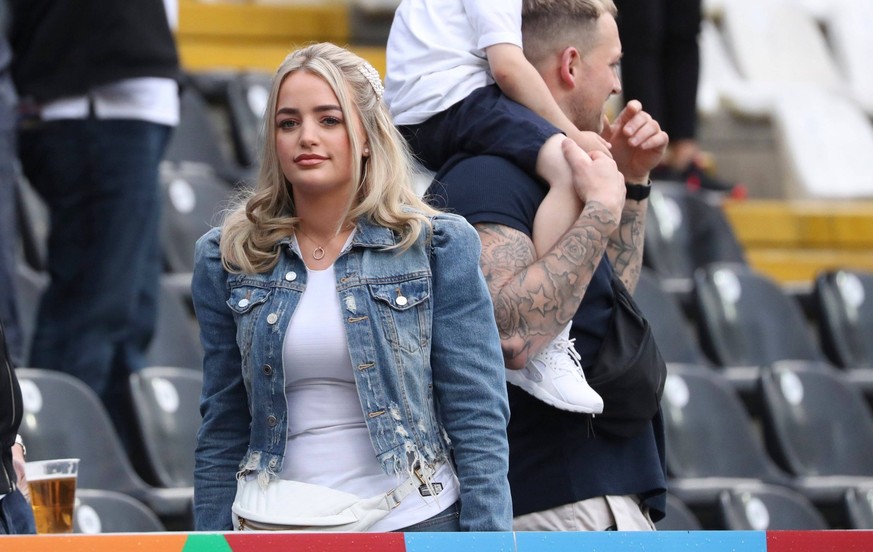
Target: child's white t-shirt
(436,52)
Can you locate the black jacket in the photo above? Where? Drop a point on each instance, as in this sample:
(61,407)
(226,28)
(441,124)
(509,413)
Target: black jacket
(10,415)
(65,48)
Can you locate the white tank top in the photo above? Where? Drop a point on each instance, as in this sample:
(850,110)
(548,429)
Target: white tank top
(328,440)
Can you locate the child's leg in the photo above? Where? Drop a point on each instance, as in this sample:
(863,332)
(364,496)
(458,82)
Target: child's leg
(561,206)
(554,375)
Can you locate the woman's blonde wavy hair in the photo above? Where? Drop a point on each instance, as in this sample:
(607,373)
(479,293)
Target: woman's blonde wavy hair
(384,195)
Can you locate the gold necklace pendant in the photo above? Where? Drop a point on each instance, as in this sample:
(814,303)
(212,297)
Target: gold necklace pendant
(317,253)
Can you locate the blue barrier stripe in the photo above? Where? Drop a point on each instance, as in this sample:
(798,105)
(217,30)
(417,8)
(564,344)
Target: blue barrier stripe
(459,542)
(661,541)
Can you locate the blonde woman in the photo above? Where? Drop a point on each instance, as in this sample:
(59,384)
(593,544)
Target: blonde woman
(353,378)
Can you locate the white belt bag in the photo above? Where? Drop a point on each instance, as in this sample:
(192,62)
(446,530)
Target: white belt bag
(285,505)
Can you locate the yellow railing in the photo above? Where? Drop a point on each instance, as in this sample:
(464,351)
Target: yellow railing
(216,35)
(793,240)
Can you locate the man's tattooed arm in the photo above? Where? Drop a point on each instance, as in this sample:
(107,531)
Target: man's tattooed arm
(625,247)
(535,298)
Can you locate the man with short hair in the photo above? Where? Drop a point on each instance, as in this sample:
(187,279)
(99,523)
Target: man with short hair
(564,473)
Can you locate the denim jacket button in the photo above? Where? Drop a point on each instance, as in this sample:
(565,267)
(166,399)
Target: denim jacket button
(291,276)
(243,303)
(272,421)
(267,369)
(401,300)
(272,318)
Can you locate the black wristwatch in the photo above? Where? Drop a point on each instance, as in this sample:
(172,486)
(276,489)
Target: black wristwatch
(637,192)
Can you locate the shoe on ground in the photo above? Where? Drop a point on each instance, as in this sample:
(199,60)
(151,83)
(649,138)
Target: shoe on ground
(697,178)
(555,377)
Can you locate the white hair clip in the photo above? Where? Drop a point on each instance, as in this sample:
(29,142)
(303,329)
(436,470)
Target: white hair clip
(373,76)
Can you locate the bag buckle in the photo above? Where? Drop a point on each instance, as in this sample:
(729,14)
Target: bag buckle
(422,472)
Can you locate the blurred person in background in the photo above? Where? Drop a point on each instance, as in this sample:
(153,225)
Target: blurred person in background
(99,97)
(661,68)
(8,190)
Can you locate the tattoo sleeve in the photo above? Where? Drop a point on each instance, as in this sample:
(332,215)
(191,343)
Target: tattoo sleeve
(534,298)
(625,247)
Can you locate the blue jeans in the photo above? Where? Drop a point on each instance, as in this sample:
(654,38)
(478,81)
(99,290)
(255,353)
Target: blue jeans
(99,179)
(16,516)
(446,521)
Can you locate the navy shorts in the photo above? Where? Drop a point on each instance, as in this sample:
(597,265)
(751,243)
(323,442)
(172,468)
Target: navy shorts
(484,123)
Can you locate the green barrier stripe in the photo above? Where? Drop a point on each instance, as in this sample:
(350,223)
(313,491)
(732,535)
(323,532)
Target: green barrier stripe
(206,542)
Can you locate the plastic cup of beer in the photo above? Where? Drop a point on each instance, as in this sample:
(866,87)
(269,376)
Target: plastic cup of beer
(53,493)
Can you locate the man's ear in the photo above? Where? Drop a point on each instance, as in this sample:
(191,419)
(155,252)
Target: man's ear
(570,66)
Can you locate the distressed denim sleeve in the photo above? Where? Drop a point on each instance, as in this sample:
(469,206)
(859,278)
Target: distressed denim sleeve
(224,433)
(468,376)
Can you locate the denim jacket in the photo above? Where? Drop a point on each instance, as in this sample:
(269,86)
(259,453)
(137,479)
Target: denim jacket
(424,345)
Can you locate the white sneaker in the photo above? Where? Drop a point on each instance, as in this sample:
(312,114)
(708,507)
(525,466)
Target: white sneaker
(555,377)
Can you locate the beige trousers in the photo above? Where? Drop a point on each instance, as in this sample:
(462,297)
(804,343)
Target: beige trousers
(622,513)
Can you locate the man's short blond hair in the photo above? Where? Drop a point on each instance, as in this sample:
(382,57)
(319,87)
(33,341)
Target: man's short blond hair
(551,25)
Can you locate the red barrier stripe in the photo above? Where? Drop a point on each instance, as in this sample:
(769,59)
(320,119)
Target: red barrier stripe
(321,542)
(819,541)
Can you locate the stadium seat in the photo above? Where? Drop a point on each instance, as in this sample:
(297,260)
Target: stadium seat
(768,508)
(673,332)
(246,96)
(711,441)
(778,48)
(745,320)
(842,304)
(859,507)
(685,231)
(64,418)
(843,301)
(176,340)
(861,378)
(370,21)
(722,86)
(30,285)
(197,140)
(102,511)
(786,71)
(33,224)
(848,26)
(678,517)
(825,141)
(818,428)
(194,201)
(166,403)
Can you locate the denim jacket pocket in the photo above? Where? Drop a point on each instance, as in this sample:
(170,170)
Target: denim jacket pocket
(405,311)
(244,298)
(244,302)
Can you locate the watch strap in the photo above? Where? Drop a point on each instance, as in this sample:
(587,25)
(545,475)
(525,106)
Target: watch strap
(637,192)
